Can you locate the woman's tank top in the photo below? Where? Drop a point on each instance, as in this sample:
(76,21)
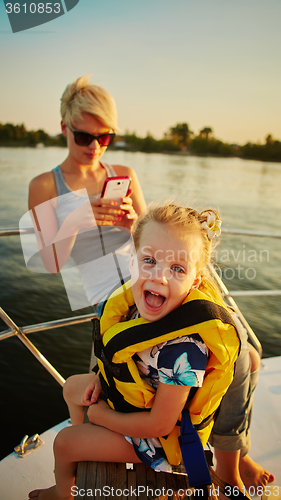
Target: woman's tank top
(101,254)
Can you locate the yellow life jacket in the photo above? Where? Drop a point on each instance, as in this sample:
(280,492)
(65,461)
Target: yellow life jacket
(202,312)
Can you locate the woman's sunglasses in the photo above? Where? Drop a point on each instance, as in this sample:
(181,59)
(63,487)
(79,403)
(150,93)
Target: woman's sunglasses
(85,139)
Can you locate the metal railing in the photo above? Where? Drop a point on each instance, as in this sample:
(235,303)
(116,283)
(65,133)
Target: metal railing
(248,232)
(21,332)
(14,231)
(231,303)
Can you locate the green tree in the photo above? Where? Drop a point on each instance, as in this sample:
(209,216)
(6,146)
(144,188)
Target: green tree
(33,137)
(269,139)
(7,133)
(205,132)
(133,141)
(43,137)
(180,135)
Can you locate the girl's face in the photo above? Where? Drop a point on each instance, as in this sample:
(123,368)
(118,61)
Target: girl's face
(85,155)
(164,269)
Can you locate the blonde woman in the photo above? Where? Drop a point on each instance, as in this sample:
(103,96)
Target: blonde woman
(67,224)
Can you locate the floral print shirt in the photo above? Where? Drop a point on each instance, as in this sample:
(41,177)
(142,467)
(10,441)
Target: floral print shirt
(181,361)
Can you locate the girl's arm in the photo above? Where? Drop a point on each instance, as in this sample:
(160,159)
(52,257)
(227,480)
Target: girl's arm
(159,421)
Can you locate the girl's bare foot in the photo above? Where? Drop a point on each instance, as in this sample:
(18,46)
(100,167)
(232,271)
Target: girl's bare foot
(47,494)
(253,474)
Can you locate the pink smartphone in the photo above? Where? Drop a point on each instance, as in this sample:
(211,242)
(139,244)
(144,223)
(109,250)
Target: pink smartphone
(115,188)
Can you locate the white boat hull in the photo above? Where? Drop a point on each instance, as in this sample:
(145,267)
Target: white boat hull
(18,476)
(266,422)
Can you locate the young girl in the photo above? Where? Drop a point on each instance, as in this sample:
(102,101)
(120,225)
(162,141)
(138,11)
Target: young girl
(177,347)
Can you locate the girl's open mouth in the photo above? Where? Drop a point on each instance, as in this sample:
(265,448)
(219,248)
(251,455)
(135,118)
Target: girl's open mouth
(154,300)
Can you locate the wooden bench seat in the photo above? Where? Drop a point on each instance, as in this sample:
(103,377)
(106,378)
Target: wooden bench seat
(101,481)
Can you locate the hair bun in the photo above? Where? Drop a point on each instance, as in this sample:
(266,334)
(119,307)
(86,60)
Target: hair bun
(211,222)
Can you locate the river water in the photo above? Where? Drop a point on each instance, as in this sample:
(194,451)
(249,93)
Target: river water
(247,194)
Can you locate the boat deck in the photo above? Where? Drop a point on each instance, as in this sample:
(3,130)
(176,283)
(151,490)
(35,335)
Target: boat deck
(266,422)
(36,470)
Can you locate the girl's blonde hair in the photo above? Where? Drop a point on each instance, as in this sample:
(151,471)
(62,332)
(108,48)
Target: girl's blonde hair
(83,97)
(185,219)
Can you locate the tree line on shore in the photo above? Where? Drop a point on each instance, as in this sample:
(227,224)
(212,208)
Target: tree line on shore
(18,135)
(178,140)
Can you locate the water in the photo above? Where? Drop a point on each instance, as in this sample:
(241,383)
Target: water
(247,194)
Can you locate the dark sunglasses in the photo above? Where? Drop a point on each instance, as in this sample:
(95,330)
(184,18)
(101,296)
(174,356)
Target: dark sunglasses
(85,139)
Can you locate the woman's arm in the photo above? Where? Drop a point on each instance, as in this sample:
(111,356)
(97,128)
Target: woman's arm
(55,244)
(159,421)
(42,193)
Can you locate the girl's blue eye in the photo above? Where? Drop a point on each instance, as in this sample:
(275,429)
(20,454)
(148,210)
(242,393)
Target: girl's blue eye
(149,260)
(178,269)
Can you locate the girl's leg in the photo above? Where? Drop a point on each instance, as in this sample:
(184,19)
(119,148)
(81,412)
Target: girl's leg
(85,442)
(73,389)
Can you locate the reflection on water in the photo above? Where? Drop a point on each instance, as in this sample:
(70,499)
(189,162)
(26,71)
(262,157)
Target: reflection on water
(247,193)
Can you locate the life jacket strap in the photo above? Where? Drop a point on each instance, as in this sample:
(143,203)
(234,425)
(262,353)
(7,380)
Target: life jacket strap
(189,314)
(206,421)
(193,454)
(96,336)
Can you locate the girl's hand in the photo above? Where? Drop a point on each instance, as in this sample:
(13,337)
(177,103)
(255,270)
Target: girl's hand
(92,392)
(97,412)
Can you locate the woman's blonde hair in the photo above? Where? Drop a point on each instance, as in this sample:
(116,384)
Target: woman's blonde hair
(185,219)
(83,97)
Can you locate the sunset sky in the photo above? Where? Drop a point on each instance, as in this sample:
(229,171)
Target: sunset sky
(205,62)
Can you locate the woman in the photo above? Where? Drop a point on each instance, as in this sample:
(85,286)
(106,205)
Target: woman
(66,222)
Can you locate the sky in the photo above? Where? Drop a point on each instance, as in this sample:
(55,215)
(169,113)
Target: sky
(212,63)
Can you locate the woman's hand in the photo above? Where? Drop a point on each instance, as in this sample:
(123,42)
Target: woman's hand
(107,212)
(130,214)
(96,413)
(112,213)
(91,392)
